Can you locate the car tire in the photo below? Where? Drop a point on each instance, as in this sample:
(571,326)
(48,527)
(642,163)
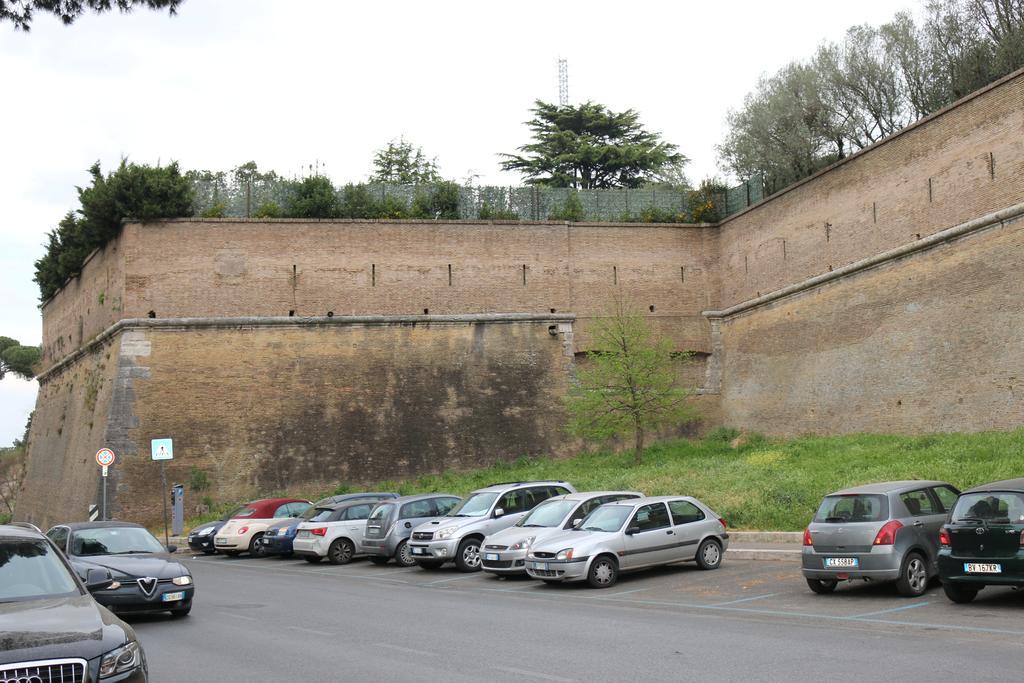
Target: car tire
(709,554)
(913,579)
(467,559)
(430,565)
(182,611)
(404,558)
(603,572)
(822,586)
(256,548)
(312,559)
(341,551)
(377,559)
(961,595)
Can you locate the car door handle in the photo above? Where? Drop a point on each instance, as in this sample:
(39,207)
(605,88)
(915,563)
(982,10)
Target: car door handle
(918,523)
(669,532)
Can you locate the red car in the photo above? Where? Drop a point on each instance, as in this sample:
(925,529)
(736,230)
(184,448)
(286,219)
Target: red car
(242,532)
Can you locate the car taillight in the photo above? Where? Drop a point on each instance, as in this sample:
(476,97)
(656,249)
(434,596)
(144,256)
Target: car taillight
(1022,538)
(725,525)
(319,531)
(242,530)
(944,538)
(807,537)
(887,534)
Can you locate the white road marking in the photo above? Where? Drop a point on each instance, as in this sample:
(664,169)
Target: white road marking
(407,649)
(454,578)
(614,595)
(894,609)
(310,630)
(534,674)
(238,616)
(733,602)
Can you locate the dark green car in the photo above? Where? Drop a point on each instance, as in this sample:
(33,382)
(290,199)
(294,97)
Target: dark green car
(983,540)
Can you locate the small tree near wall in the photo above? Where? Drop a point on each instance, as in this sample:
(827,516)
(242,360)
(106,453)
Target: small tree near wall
(630,385)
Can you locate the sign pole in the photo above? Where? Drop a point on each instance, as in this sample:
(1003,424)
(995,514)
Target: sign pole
(104,512)
(105,458)
(163,494)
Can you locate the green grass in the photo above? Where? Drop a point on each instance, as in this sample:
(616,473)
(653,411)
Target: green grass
(764,484)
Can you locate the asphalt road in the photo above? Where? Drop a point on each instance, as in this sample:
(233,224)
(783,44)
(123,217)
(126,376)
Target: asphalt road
(273,619)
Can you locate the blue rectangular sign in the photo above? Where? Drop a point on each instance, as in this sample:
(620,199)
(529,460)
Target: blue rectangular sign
(163,449)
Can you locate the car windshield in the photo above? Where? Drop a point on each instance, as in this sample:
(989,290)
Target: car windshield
(854,507)
(477,505)
(31,570)
(237,512)
(321,515)
(243,512)
(549,513)
(114,541)
(606,518)
(382,512)
(995,507)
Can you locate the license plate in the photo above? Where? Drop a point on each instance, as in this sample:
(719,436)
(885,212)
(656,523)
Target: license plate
(975,568)
(303,533)
(492,557)
(845,562)
(543,566)
(418,551)
(221,541)
(172,597)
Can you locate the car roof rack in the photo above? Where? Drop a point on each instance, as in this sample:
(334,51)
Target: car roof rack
(26,525)
(538,481)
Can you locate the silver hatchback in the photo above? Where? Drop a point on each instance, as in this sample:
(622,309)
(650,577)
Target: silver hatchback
(630,535)
(878,532)
(392,521)
(505,552)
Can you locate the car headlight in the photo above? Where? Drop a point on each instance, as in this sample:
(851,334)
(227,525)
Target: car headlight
(523,544)
(206,532)
(564,554)
(182,580)
(125,658)
(447,532)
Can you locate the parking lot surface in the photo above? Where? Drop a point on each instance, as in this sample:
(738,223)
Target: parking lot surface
(263,619)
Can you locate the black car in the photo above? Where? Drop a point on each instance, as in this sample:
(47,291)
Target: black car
(983,540)
(146,577)
(200,539)
(51,629)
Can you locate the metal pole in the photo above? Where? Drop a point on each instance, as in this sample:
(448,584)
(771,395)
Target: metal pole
(104,514)
(163,494)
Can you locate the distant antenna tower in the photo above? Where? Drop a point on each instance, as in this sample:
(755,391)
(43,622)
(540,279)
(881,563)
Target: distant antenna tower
(563,82)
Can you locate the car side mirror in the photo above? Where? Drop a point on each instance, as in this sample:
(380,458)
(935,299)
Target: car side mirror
(98,579)
(498,512)
(172,549)
(632,530)
(576,523)
(408,525)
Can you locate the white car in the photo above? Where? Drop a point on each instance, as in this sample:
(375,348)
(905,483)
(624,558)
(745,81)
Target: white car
(242,532)
(334,532)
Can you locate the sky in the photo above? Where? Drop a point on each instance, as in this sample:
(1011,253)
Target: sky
(295,83)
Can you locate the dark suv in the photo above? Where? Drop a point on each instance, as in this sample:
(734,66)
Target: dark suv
(51,629)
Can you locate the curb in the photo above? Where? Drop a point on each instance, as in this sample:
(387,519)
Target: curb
(763,554)
(793,537)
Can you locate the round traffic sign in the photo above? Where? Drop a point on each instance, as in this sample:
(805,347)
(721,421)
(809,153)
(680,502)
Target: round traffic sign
(105,457)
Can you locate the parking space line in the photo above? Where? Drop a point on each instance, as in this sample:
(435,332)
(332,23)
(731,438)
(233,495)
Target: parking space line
(454,578)
(309,630)
(613,595)
(894,609)
(410,650)
(534,674)
(239,616)
(734,602)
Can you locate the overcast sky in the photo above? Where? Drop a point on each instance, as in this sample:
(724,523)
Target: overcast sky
(289,84)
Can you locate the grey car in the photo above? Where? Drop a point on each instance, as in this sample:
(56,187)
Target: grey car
(458,536)
(505,552)
(878,532)
(631,535)
(391,523)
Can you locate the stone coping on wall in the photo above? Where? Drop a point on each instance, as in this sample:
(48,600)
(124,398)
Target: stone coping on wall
(992,220)
(299,321)
(422,221)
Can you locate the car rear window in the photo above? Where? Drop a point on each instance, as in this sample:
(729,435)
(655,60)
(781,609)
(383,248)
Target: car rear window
(321,515)
(855,507)
(1005,507)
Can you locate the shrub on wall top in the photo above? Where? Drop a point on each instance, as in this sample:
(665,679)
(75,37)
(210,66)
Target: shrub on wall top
(313,197)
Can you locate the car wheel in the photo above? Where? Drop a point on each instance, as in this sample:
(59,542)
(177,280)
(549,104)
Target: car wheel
(312,559)
(182,611)
(256,548)
(341,551)
(604,572)
(959,594)
(377,559)
(430,565)
(467,559)
(913,581)
(403,555)
(709,554)
(822,586)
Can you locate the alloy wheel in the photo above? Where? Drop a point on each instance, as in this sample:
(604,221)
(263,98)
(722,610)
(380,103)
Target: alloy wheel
(471,555)
(712,555)
(917,575)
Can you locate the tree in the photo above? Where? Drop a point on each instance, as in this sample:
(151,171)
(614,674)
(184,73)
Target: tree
(589,146)
(403,164)
(21,12)
(630,384)
(17,359)
(313,197)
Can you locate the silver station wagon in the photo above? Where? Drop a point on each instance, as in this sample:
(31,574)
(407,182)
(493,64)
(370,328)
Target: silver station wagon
(505,551)
(392,521)
(878,532)
(630,535)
